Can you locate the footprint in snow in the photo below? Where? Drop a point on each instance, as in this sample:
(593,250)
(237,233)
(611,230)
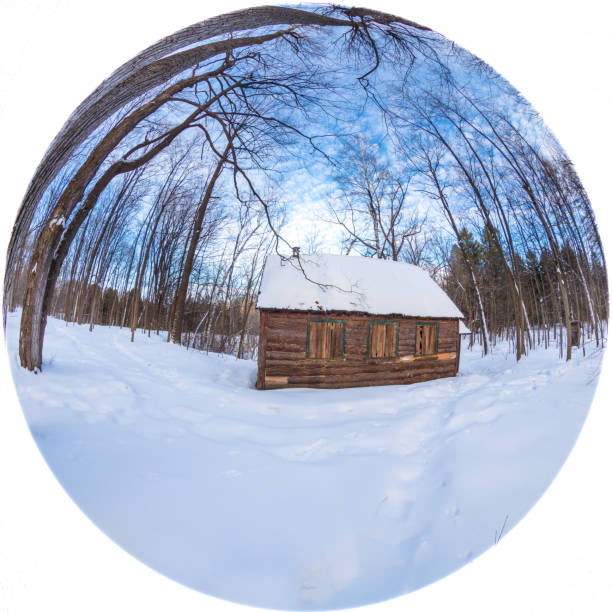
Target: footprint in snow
(315,585)
(233,473)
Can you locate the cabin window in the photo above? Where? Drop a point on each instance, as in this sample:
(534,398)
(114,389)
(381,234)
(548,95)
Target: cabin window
(426,339)
(383,339)
(325,339)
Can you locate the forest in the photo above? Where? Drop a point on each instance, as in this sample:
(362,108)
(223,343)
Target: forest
(156,205)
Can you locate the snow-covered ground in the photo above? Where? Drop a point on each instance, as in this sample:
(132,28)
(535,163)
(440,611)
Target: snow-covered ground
(297,498)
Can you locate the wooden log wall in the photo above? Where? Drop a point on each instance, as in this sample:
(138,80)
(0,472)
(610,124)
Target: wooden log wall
(282,360)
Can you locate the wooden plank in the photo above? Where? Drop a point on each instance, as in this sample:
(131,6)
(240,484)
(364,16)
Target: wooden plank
(323,351)
(338,341)
(340,381)
(374,340)
(297,359)
(430,339)
(434,357)
(276,380)
(382,342)
(369,369)
(285,355)
(315,342)
(326,383)
(390,340)
(290,347)
(274,337)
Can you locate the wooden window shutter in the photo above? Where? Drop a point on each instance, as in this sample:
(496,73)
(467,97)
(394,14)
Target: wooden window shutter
(382,339)
(325,339)
(426,339)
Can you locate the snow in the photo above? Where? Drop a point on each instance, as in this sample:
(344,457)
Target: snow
(351,283)
(463,328)
(297,498)
(61,221)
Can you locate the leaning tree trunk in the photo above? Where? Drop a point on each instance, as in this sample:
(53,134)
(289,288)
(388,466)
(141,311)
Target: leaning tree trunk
(41,280)
(54,242)
(147,70)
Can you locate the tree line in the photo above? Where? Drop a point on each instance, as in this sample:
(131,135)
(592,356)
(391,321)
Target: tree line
(472,186)
(157,203)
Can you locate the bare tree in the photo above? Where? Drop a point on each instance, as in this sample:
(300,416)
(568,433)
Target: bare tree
(372,209)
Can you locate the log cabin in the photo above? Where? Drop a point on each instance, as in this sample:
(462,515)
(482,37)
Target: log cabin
(333,321)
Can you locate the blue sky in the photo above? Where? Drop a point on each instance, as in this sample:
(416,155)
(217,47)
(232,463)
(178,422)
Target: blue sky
(304,182)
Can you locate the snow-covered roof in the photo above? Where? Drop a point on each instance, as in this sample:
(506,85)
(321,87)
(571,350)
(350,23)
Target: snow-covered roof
(463,328)
(350,283)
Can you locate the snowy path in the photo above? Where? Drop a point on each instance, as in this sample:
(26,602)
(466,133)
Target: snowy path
(297,498)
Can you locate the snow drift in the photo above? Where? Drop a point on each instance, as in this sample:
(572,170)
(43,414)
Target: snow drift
(299,498)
